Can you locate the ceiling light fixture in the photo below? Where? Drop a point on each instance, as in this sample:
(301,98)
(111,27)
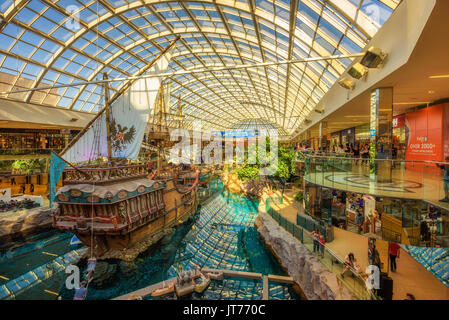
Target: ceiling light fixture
(407,103)
(440,76)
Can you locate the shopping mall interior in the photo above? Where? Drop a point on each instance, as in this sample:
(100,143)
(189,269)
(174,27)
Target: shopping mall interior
(224,150)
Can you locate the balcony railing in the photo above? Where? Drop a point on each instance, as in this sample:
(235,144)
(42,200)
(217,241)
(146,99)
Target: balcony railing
(420,180)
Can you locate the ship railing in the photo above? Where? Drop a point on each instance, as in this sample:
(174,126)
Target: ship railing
(106,174)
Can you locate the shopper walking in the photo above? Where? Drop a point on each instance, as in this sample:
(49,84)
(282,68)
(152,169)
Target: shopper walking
(394,250)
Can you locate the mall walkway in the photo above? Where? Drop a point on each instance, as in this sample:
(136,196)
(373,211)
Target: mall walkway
(411,276)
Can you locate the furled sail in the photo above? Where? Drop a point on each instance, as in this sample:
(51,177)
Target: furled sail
(128,120)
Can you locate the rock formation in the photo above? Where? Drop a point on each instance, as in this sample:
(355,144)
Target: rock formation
(315,280)
(251,188)
(21,223)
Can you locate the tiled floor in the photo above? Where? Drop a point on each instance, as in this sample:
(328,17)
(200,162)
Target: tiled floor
(412,277)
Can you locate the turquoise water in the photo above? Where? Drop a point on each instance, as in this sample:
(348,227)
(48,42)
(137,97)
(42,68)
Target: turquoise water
(23,255)
(221,235)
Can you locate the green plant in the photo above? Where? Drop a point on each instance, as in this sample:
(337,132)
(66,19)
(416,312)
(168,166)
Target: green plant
(299,196)
(248,172)
(5,165)
(285,167)
(28,166)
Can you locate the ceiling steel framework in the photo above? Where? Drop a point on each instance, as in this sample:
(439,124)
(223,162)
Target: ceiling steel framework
(120,37)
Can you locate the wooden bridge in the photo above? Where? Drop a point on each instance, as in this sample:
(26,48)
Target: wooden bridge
(144,292)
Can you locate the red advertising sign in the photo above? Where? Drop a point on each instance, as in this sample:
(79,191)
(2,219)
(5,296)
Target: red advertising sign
(399,121)
(424,134)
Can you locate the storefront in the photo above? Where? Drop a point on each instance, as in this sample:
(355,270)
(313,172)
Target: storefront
(362,134)
(348,137)
(335,140)
(405,221)
(34,139)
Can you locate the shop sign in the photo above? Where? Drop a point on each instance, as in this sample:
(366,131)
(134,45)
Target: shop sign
(370,205)
(399,121)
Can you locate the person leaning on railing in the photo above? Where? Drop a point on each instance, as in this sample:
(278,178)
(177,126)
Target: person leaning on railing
(349,264)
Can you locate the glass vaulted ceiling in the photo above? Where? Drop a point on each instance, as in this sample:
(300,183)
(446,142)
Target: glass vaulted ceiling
(41,44)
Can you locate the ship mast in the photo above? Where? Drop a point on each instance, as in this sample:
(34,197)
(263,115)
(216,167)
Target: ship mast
(159,131)
(179,113)
(116,95)
(108,114)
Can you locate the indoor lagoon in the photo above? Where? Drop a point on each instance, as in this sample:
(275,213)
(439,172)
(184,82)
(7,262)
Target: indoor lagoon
(221,235)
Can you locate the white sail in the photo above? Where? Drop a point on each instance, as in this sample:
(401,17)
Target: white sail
(129,117)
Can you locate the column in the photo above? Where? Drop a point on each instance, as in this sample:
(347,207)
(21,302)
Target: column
(323,137)
(381,128)
(320,144)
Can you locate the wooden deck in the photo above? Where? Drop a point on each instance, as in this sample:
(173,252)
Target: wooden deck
(145,292)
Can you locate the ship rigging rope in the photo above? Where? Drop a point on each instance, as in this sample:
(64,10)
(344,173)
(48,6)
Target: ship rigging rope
(98,146)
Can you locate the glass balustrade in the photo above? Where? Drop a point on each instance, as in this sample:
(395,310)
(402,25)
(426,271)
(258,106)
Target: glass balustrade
(410,196)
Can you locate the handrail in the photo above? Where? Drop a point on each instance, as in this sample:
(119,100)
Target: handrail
(342,156)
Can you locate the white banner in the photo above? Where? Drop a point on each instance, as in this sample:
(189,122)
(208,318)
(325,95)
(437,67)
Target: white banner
(129,117)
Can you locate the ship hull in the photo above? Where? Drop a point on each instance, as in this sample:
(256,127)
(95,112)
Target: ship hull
(124,228)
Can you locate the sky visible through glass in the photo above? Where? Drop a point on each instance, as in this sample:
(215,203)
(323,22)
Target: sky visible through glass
(45,43)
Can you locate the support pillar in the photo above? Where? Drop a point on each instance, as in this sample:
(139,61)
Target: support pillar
(381,132)
(320,143)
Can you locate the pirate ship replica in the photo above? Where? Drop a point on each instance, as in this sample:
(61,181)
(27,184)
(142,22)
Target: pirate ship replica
(117,208)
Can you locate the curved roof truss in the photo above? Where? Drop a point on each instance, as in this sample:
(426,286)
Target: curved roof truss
(45,43)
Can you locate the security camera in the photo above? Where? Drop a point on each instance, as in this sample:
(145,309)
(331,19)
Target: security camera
(373,58)
(358,71)
(346,83)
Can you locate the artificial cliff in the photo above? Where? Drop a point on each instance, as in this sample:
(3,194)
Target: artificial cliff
(21,223)
(315,280)
(249,188)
